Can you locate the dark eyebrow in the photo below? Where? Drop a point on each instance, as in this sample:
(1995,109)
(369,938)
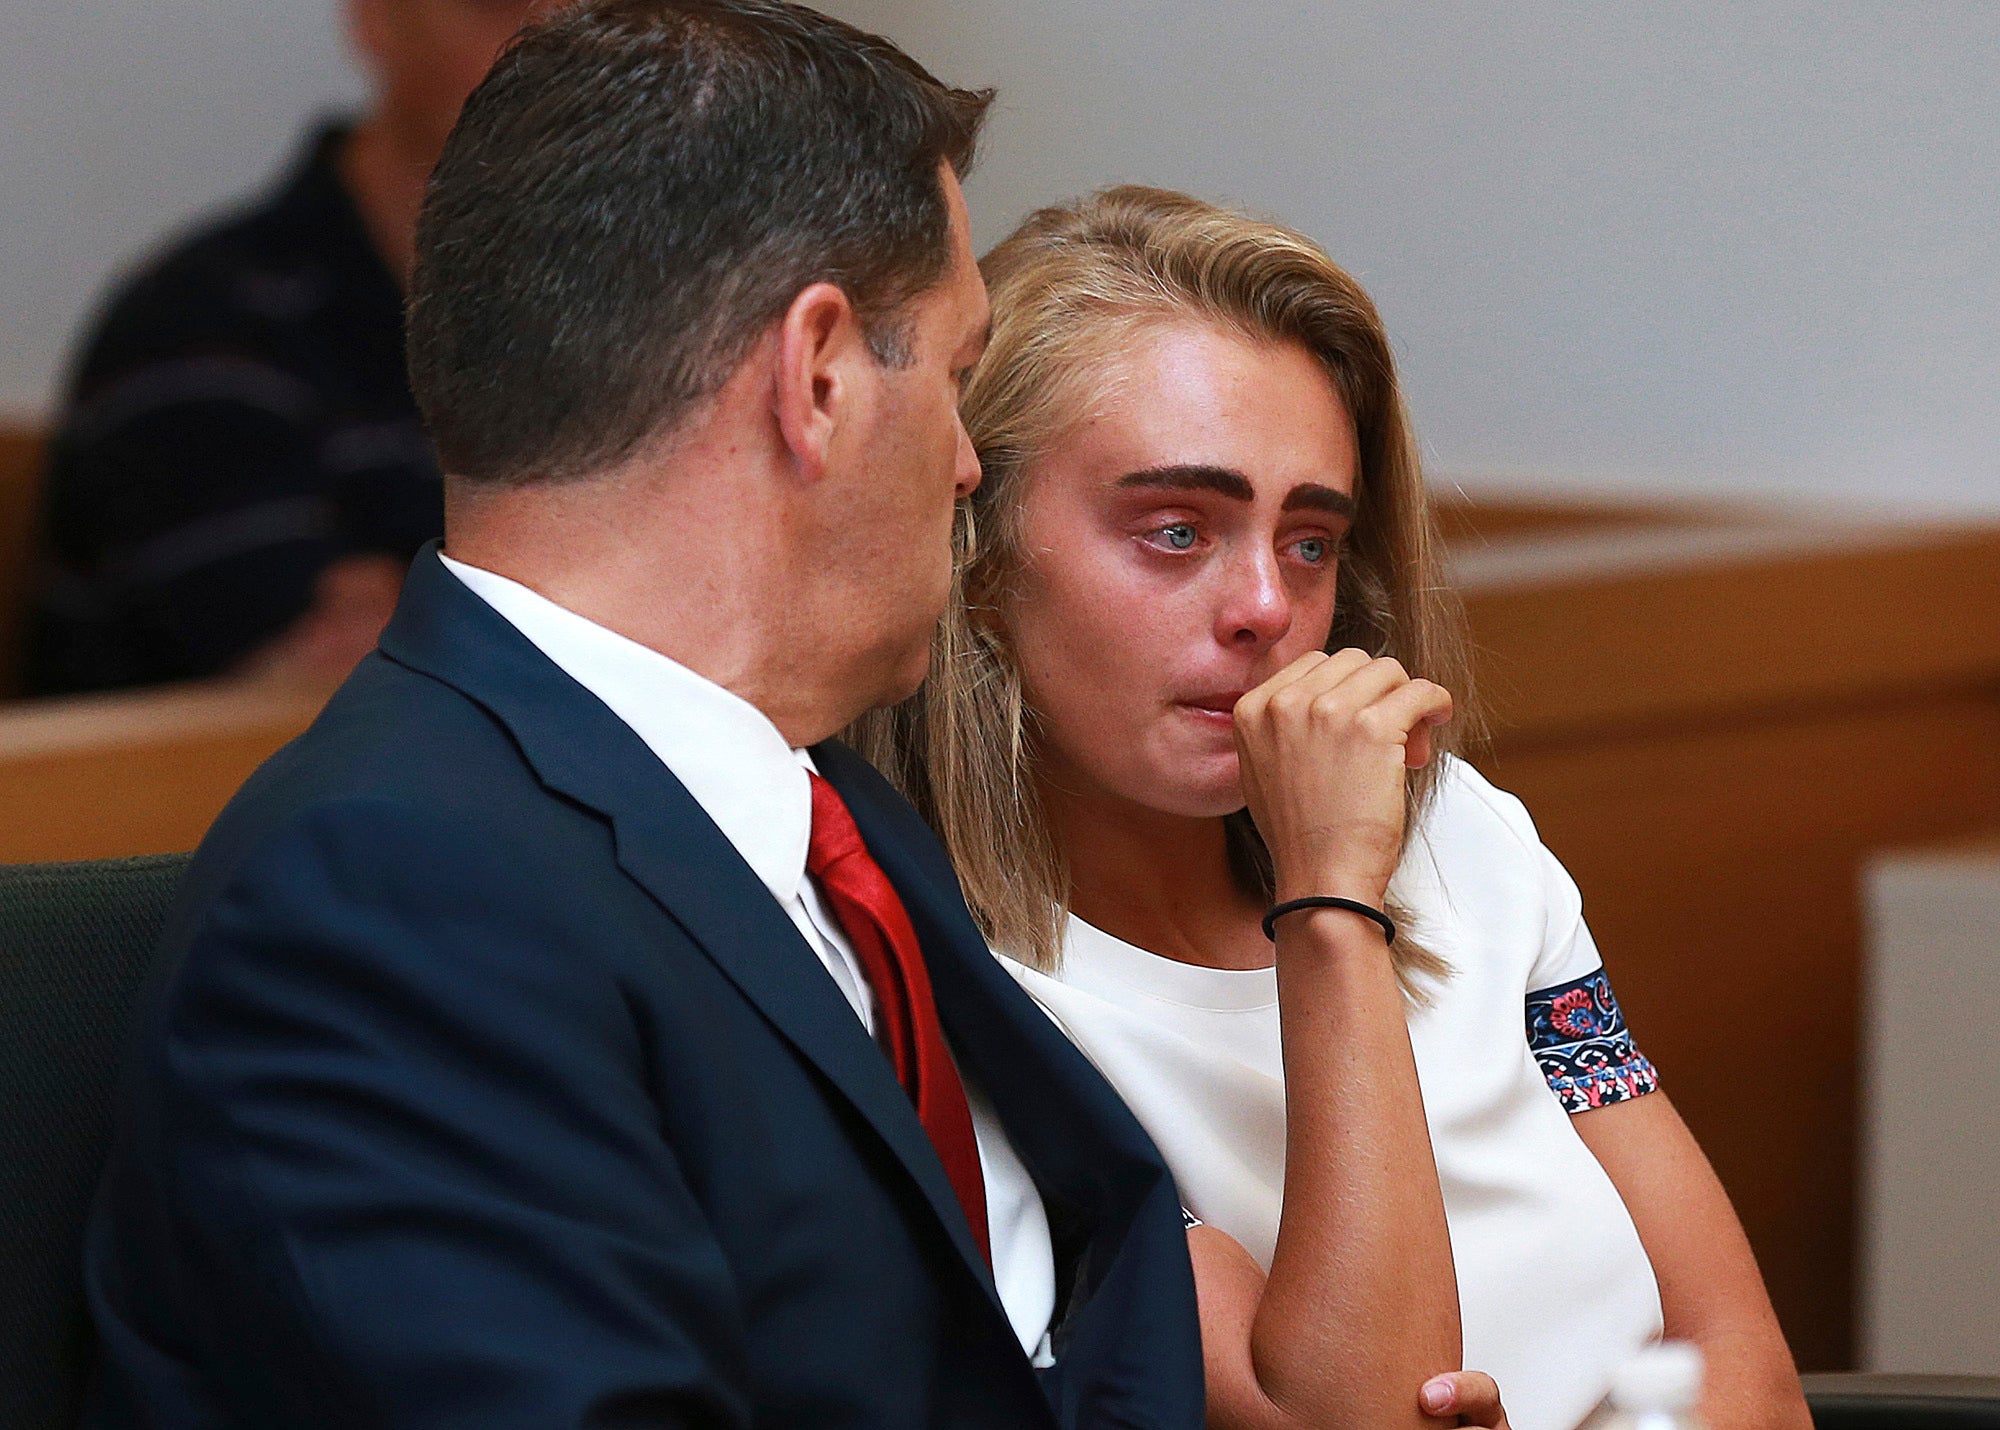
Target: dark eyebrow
(1313,497)
(1308,496)
(1230,483)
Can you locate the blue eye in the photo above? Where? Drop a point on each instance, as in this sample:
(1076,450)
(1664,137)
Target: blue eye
(1180,536)
(1314,549)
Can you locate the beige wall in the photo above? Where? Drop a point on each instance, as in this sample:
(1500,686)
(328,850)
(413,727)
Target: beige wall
(1704,246)
(1930,1219)
(121,119)
(1697,246)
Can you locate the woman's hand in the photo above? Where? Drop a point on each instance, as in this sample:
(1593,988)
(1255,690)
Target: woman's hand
(1360,1306)
(1464,1397)
(1325,745)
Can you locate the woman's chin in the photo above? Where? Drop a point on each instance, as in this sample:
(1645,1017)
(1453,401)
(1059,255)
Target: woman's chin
(1209,790)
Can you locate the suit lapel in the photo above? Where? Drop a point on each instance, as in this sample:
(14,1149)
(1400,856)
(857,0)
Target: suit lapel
(1089,1158)
(741,928)
(667,843)
(1127,1345)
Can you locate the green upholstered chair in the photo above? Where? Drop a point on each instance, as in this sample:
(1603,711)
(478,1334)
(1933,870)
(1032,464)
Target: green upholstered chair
(75,941)
(1904,1402)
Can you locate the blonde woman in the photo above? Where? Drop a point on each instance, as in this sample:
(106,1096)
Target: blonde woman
(1202,667)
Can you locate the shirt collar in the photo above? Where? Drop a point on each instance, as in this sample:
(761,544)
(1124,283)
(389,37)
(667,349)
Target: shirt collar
(724,749)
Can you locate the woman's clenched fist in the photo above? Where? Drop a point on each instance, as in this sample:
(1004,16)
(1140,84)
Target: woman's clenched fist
(1325,747)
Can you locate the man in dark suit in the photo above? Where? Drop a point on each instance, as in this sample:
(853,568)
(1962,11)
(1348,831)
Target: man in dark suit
(564,1032)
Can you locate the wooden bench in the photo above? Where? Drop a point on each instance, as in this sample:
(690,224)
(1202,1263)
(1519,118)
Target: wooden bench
(104,776)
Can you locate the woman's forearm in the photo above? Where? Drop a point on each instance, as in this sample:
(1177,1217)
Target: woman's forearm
(1749,1383)
(1710,1290)
(1361,1304)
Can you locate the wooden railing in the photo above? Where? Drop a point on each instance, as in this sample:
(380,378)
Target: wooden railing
(20,492)
(1713,717)
(1713,727)
(111,775)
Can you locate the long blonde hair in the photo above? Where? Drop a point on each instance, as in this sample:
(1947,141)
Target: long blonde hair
(1069,287)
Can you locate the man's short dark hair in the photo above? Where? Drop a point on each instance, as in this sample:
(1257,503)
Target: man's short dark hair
(637,192)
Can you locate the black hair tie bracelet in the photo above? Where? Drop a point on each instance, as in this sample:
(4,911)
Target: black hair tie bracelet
(1327,901)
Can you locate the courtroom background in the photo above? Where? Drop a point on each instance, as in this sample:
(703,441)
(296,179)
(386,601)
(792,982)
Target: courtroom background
(1707,246)
(1697,304)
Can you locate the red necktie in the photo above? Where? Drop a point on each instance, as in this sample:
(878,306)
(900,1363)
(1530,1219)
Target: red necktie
(876,923)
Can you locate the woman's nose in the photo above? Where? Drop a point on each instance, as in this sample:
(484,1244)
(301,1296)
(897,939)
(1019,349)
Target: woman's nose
(1257,609)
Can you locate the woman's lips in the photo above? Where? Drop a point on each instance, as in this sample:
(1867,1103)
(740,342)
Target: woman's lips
(1220,707)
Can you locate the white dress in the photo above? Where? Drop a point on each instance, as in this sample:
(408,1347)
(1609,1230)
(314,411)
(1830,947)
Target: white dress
(1554,1288)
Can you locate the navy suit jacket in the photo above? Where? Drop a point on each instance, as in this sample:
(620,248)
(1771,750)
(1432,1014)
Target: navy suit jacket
(482,1084)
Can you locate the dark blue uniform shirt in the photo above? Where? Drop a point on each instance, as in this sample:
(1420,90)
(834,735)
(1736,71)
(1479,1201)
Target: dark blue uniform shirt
(239,419)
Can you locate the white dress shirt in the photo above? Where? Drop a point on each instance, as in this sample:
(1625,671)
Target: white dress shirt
(754,787)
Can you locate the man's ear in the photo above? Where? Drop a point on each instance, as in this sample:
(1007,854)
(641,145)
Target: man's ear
(821,363)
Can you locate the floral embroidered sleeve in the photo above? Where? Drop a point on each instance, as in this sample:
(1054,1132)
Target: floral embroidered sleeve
(1585,1050)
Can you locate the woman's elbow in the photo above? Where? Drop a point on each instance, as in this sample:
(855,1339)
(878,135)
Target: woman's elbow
(1242,1401)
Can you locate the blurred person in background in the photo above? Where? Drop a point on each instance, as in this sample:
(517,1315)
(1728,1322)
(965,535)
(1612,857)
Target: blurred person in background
(239,476)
